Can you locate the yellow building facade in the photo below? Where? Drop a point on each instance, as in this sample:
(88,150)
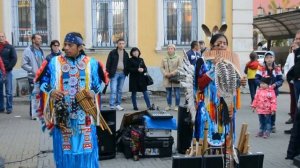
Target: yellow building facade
(72,15)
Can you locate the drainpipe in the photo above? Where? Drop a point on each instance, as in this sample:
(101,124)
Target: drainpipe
(223,12)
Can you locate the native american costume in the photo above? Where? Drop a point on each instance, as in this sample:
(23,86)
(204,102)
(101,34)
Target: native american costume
(73,130)
(217,95)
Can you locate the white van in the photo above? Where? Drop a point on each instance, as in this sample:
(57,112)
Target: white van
(260,56)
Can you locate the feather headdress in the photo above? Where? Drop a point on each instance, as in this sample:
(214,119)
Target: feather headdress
(187,70)
(227,71)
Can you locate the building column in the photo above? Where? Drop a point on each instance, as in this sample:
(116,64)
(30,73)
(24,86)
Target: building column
(55,19)
(160,24)
(201,18)
(7,19)
(242,29)
(88,24)
(133,23)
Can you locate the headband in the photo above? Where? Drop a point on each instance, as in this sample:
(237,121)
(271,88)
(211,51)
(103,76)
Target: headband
(71,38)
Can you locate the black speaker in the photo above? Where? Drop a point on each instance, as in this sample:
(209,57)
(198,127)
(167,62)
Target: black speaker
(106,141)
(208,161)
(183,162)
(255,160)
(184,130)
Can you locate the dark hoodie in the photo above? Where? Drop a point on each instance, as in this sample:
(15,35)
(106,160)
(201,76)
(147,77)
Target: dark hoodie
(296,73)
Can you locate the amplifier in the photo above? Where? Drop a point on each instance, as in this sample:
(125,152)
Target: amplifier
(106,141)
(184,130)
(158,132)
(155,114)
(209,161)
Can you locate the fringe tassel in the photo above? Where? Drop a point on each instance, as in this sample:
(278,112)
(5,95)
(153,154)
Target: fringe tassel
(238,98)
(75,160)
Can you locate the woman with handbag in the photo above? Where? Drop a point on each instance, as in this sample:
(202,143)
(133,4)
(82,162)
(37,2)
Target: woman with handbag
(169,68)
(137,77)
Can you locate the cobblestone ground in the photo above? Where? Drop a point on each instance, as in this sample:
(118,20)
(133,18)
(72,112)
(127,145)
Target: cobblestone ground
(22,138)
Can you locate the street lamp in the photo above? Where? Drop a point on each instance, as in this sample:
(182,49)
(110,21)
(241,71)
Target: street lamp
(279,10)
(260,11)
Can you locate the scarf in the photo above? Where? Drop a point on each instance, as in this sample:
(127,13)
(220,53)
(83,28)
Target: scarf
(171,56)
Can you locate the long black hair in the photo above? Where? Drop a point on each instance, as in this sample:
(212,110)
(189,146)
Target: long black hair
(215,37)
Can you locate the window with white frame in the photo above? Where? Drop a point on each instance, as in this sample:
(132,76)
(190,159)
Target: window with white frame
(29,17)
(180,21)
(109,22)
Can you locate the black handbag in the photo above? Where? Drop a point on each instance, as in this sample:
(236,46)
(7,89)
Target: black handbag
(148,78)
(175,79)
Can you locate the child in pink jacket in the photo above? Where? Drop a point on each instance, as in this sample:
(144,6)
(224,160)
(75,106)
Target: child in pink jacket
(265,105)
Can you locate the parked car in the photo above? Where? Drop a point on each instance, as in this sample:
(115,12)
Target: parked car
(261,56)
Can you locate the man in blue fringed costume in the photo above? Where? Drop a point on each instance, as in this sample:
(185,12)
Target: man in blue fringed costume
(73,130)
(217,80)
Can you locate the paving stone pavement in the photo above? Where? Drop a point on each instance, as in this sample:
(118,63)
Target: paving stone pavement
(22,138)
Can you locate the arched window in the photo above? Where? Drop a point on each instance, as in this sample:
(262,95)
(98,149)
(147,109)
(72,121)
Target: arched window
(180,21)
(109,22)
(29,17)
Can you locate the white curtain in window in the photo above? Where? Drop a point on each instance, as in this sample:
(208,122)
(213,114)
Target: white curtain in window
(180,21)
(30,16)
(110,22)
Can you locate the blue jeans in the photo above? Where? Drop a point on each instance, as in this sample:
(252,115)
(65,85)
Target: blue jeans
(146,98)
(252,88)
(116,86)
(8,92)
(169,95)
(265,122)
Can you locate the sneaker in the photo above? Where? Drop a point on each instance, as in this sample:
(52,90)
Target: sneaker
(34,118)
(273,129)
(112,107)
(266,135)
(8,112)
(168,108)
(289,121)
(118,107)
(151,108)
(259,134)
(176,108)
(135,108)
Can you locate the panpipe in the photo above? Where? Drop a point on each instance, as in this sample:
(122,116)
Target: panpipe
(86,102)
(225,55)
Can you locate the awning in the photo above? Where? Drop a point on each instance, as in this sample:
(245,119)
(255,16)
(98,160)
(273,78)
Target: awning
(278,26)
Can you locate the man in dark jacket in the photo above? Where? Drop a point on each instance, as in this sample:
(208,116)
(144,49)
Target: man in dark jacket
(9,57)
(116,68)
(294,73)
(193,54)
(202,47)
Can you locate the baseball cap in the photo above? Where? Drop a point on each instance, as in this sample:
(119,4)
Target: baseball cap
(270,53)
